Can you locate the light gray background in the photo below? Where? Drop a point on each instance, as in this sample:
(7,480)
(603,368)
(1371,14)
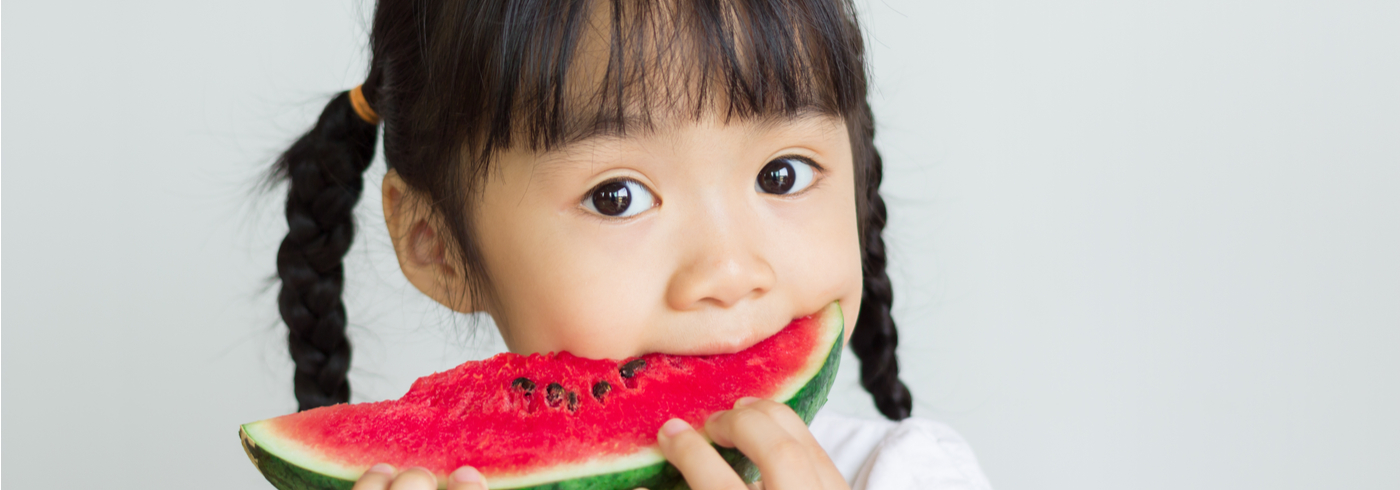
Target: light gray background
(1135,244)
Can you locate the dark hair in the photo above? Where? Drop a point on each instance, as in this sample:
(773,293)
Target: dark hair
(455,82)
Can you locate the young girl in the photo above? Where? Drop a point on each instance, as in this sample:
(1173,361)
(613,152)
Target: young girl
(615,178)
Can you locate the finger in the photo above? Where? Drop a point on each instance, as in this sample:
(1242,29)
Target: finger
(783,415)
(376,478)
(784,461)
(414,479)
(793,425)
(699,463)
(466,478)
(772,427)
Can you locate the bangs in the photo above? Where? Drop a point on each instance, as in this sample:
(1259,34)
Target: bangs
(557,71)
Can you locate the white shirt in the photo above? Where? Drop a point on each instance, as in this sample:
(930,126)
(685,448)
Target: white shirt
(910,454)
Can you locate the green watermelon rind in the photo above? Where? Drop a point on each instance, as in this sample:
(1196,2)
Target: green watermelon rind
(661,475)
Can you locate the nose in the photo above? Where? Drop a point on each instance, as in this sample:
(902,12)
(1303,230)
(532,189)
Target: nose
(722,263)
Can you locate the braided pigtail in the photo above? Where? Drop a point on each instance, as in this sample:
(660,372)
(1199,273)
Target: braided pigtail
(874,339)
(325,168)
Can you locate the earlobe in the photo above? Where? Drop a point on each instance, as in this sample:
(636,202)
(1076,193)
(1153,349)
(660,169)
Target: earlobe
(421,246)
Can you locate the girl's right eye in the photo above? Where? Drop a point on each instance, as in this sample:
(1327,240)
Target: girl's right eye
(619,199)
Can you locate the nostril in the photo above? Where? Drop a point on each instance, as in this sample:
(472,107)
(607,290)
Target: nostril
(723,284)
(720,264)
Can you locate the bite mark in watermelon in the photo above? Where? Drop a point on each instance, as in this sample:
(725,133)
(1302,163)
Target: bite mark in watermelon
(550,420)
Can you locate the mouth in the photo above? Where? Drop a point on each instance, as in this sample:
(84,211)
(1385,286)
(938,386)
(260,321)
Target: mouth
(705,341)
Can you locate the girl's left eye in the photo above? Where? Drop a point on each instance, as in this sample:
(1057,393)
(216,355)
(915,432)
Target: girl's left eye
(785,175)
(619,199)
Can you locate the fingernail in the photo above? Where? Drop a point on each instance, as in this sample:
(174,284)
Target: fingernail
(712,417)
(674,426)
(466,474)
(745,401)
(382,468)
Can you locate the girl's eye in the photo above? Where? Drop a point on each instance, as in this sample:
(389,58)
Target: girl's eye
(619,199)
(784,175)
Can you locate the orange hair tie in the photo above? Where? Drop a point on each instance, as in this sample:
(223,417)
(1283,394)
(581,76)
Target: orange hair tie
(362,108)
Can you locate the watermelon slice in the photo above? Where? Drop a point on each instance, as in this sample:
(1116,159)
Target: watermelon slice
(549,420)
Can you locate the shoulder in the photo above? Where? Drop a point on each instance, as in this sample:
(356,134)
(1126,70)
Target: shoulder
(886,455)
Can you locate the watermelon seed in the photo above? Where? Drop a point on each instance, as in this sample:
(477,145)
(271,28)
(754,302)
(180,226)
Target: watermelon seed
(553,394)
(601,389)
(573,401)
(523,384)
(630,369)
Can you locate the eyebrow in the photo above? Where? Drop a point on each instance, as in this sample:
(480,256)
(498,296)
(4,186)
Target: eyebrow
(632,124)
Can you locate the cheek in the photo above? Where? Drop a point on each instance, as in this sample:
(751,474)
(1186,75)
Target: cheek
(572,285)
(559,282)
(818,254)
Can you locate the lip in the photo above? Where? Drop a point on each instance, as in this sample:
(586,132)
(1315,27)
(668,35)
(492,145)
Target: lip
(736,343)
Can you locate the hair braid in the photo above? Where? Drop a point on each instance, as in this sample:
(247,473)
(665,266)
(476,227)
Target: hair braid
(325,167)
(874,339)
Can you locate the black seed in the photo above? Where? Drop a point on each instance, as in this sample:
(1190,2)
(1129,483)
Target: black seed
(601,390)
(630,369)
(553,394)
(573,401)
(523,384)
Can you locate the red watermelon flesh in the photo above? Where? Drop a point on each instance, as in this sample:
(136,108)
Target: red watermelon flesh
(529,420)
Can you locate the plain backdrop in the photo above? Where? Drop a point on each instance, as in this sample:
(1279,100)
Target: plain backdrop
(1135,245)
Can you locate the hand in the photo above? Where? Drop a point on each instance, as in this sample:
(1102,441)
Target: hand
(768,432)
(383,477)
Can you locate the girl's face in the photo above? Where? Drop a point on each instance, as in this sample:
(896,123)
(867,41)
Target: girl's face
(700,237)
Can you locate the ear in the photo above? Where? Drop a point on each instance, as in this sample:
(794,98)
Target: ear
(421,242)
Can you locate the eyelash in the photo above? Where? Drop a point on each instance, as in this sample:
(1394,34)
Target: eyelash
(802,159)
